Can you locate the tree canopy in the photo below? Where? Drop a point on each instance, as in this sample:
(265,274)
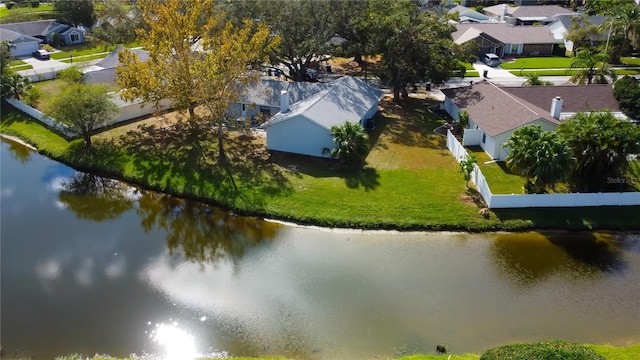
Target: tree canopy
(196,59)
(76,12)
(83,107)
(540,156)
(305,27)
(627,92)
(117,24)
(592,67)
(600,144)
(414,45)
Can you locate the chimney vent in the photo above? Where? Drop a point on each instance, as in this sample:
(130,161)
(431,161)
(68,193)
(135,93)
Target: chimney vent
(556,107)
(504,12)
(284,101)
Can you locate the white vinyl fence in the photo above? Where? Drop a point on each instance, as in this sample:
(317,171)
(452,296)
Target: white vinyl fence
(49,122)
(499,201)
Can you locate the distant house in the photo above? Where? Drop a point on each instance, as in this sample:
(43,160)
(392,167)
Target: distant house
(303,127)
(560,27)
(44,30)
(504,39)
(104,71)
(262,99)
(466,15)
(527,15)
(495,112)
(19,44)
(62,33)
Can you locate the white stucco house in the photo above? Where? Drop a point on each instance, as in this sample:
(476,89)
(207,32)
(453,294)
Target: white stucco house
(303,127)
(495,112)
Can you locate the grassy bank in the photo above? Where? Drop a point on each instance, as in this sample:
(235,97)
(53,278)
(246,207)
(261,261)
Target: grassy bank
(410,181)
(605,351)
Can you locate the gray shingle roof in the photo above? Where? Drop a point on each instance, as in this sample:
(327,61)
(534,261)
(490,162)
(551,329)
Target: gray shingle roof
(267,91)
(111,60)
(532,11)
(16,37)
(347,99)
(576,98)
(31,28)
(505,33)
(495,110)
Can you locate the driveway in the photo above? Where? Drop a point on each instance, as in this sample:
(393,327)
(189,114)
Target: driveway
(42,69)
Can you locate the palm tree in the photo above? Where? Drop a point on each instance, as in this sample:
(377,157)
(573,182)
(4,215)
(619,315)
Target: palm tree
(351,143)
(626,24)
(592,66)
(534,80)
(540,156)
(15,85)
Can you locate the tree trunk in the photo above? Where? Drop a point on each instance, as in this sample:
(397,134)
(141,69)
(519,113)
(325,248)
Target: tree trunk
(396,94)
(358,59)
(192,112)
(87,139)
(222,156)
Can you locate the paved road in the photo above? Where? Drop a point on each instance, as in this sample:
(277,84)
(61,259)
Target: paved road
(42,67)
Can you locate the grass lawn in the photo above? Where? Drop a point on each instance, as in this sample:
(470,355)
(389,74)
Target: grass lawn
(538,63)
(17,65)
(631,61)
(501,180)
(50,89)
(18,14)
(544,72)
(622,72)
(410,178)
(88,48)
(472,73)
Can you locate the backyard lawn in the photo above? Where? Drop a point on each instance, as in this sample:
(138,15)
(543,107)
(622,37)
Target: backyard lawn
(631,61)
(50,89)
(537,63)
(500,179)
(27,13)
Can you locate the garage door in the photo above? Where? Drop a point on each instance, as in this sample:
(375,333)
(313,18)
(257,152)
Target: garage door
(24,49)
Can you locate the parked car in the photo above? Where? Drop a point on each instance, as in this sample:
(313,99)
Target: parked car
(491,59)
(41,54)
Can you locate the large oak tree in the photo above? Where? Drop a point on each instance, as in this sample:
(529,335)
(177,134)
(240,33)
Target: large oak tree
(197,59)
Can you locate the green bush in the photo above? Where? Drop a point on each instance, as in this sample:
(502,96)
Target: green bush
(10,5)
(34,3)
(546,350)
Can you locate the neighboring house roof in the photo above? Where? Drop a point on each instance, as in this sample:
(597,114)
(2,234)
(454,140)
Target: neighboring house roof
(576,98)
(504,33)
(495,110)
(58,28)
(111,61)
(104,71)
(267,91)
(15,37)
(466,13)
(530,13)
(31,28)
(347,99)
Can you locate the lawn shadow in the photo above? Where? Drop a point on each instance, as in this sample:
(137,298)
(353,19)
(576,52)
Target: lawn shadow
(366,177)
(411,123)
(183,157)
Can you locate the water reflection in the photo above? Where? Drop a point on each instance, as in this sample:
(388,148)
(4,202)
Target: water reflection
(202,233)
(96,198)
(19,152)
(528,258)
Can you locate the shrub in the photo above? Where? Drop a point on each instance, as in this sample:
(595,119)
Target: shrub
(9,5)
(32,96)
(546,350)
(34,3)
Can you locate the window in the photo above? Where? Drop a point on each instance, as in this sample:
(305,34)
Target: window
(484,138)
(515,48)
(75,37)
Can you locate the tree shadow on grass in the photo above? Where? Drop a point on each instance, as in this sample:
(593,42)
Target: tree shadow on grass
(415,124)
(182,158)
(354,178)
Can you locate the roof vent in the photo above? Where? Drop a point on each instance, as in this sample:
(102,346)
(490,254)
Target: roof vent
(284,101)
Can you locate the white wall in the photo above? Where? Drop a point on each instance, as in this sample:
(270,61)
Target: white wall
(472,137)
(300,136)
(136,110)
(44,119)
(539,200)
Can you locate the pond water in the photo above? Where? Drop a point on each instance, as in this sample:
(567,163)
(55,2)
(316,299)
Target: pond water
(90,265)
